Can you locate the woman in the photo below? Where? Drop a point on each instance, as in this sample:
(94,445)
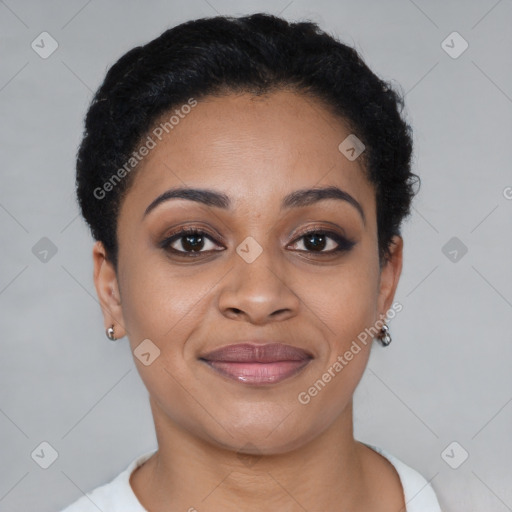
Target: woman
(245,180)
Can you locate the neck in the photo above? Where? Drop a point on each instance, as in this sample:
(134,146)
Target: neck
(190,473)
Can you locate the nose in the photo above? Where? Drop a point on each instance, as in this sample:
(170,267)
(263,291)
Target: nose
(258,292)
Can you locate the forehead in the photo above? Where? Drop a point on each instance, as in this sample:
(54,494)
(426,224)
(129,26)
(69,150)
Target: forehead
(252,148)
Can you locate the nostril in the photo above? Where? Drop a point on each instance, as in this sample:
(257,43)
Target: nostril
(279,311)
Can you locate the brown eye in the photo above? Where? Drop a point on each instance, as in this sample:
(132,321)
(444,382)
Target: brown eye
(189,241)
(324,242)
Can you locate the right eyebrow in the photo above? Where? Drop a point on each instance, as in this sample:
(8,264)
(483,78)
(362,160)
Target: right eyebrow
(206,196)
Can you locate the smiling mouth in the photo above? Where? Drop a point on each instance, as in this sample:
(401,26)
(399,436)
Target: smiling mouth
(258,364)
(258,373)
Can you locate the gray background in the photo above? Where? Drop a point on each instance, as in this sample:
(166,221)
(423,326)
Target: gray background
(446,377)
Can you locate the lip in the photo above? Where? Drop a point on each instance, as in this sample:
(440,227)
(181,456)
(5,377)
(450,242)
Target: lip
(258,364)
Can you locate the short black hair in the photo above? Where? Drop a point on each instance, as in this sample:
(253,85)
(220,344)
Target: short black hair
(220,55)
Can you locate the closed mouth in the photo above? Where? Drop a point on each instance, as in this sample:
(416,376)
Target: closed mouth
(258,364)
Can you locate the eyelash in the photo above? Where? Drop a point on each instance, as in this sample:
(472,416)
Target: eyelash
(344,244)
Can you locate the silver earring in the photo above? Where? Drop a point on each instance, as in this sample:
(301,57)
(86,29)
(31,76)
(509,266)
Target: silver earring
(384,337)
(110,333)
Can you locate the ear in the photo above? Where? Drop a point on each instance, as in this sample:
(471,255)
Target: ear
(389,276)
(107,288)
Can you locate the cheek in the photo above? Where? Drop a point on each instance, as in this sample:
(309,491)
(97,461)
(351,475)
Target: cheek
(161,305)
(345,301)
(347,305)
(157,299)
(351,312)
(346,309)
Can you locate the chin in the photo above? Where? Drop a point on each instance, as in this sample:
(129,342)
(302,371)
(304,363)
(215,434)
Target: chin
(265,436)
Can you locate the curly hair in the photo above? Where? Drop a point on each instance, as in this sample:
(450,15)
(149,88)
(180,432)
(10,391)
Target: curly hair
(258,54)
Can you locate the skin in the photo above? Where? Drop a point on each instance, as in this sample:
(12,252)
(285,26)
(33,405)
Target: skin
(256,150)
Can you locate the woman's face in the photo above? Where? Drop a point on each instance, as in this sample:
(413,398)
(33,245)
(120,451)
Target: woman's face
(252,274)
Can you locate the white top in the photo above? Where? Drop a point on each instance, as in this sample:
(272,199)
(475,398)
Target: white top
(118,496)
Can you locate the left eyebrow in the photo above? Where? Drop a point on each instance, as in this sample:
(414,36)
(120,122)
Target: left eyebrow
(309,196)
(296,199)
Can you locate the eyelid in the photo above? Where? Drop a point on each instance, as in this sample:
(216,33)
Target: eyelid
(315,228)
(194,228)
(336,231)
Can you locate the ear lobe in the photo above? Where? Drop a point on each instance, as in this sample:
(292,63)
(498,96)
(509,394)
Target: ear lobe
(390,275)
(107,289)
